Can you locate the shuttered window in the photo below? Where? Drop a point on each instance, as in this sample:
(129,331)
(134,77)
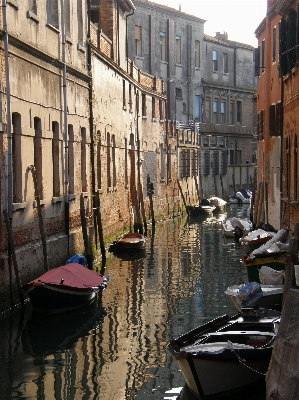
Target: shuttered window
(272,120)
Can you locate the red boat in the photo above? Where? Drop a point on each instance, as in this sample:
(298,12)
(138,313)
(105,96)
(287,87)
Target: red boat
(64,289)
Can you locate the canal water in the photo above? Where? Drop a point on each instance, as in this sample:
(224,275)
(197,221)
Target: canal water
(115,348)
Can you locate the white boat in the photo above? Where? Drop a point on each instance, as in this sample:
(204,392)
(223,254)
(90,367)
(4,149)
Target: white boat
(253,294)
(219,203)
(242,196)
(236,227)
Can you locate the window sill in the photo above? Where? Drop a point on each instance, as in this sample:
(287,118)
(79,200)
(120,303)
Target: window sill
(179,65)
(57,199)
(81,48)
(100,191)
(154,119)
(52,28)
(72,196)
(41,202)
(13,3)
(69,40)
(84,194)
(126,186)
(109,189)
(144,117)
(124,108)
(139,57)
(18,206)
(34,17)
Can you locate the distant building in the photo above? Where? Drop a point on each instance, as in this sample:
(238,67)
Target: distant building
(210,90)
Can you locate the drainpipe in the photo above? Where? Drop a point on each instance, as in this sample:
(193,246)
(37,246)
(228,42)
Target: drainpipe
(9,137)
(66,155)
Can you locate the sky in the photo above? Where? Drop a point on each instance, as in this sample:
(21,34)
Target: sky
(239,18)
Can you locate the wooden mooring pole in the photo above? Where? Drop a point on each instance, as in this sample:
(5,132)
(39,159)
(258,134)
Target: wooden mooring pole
(182,194)
(12,255)
(88,253)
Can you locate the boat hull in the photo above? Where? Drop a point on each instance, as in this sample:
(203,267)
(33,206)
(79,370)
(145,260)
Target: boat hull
(253,267)
(231,375)
(131,241)
(50,300)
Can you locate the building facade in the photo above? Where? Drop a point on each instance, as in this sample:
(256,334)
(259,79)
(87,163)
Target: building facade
(277,195)
(79,121)
(211,86)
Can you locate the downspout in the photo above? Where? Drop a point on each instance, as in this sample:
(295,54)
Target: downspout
(66,154)
(9,137)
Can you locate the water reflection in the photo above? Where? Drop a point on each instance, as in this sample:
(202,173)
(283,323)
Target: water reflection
(115,349)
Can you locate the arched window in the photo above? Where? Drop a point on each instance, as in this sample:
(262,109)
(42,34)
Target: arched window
(56,160)
(38,155)
(17,158)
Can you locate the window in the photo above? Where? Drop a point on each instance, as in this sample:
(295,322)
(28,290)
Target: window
(215,110)
(263,56)
(16,158)
(274,44)
(161,110)
(95,17)
(113,161)
(124,94)
(143,105)
(179,93)
(272,120)
(239,112)
(231,112)
(153,108)
(80,14)
(163,46)
(83,160)
(52,13)
(197,108)
(56,159)
(208,110)
(215,61)
(138,40)
(225,63)
(130,97)
(38,155)
(32,6)
(197,53)
(67,18)
(223,111)
(178,49)
(71,160)
(108,161)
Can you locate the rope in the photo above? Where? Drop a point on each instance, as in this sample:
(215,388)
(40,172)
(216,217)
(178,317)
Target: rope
(240,359)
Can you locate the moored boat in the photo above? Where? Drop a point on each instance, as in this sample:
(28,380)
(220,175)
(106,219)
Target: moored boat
(236,227)
(131,240)
(200,210)
(220,204)
(268,296)
(64,289)
(216,364)
(242,196)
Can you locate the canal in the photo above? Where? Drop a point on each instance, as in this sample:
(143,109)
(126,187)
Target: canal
(115,348)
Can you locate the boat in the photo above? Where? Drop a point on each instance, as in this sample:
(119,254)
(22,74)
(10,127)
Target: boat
(65,288)
(236,227)
(219,203)
(218,361)
(254,294)
(256,238)
(200,210)
(130,240)
(242,196)
(271,254)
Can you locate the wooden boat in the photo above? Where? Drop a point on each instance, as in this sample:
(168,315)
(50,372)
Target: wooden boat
(130,240)
(272,254)
(271,296)
(236,227)
(218,362)
(64,289)
(200,210)
(256,238)
(219,203)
